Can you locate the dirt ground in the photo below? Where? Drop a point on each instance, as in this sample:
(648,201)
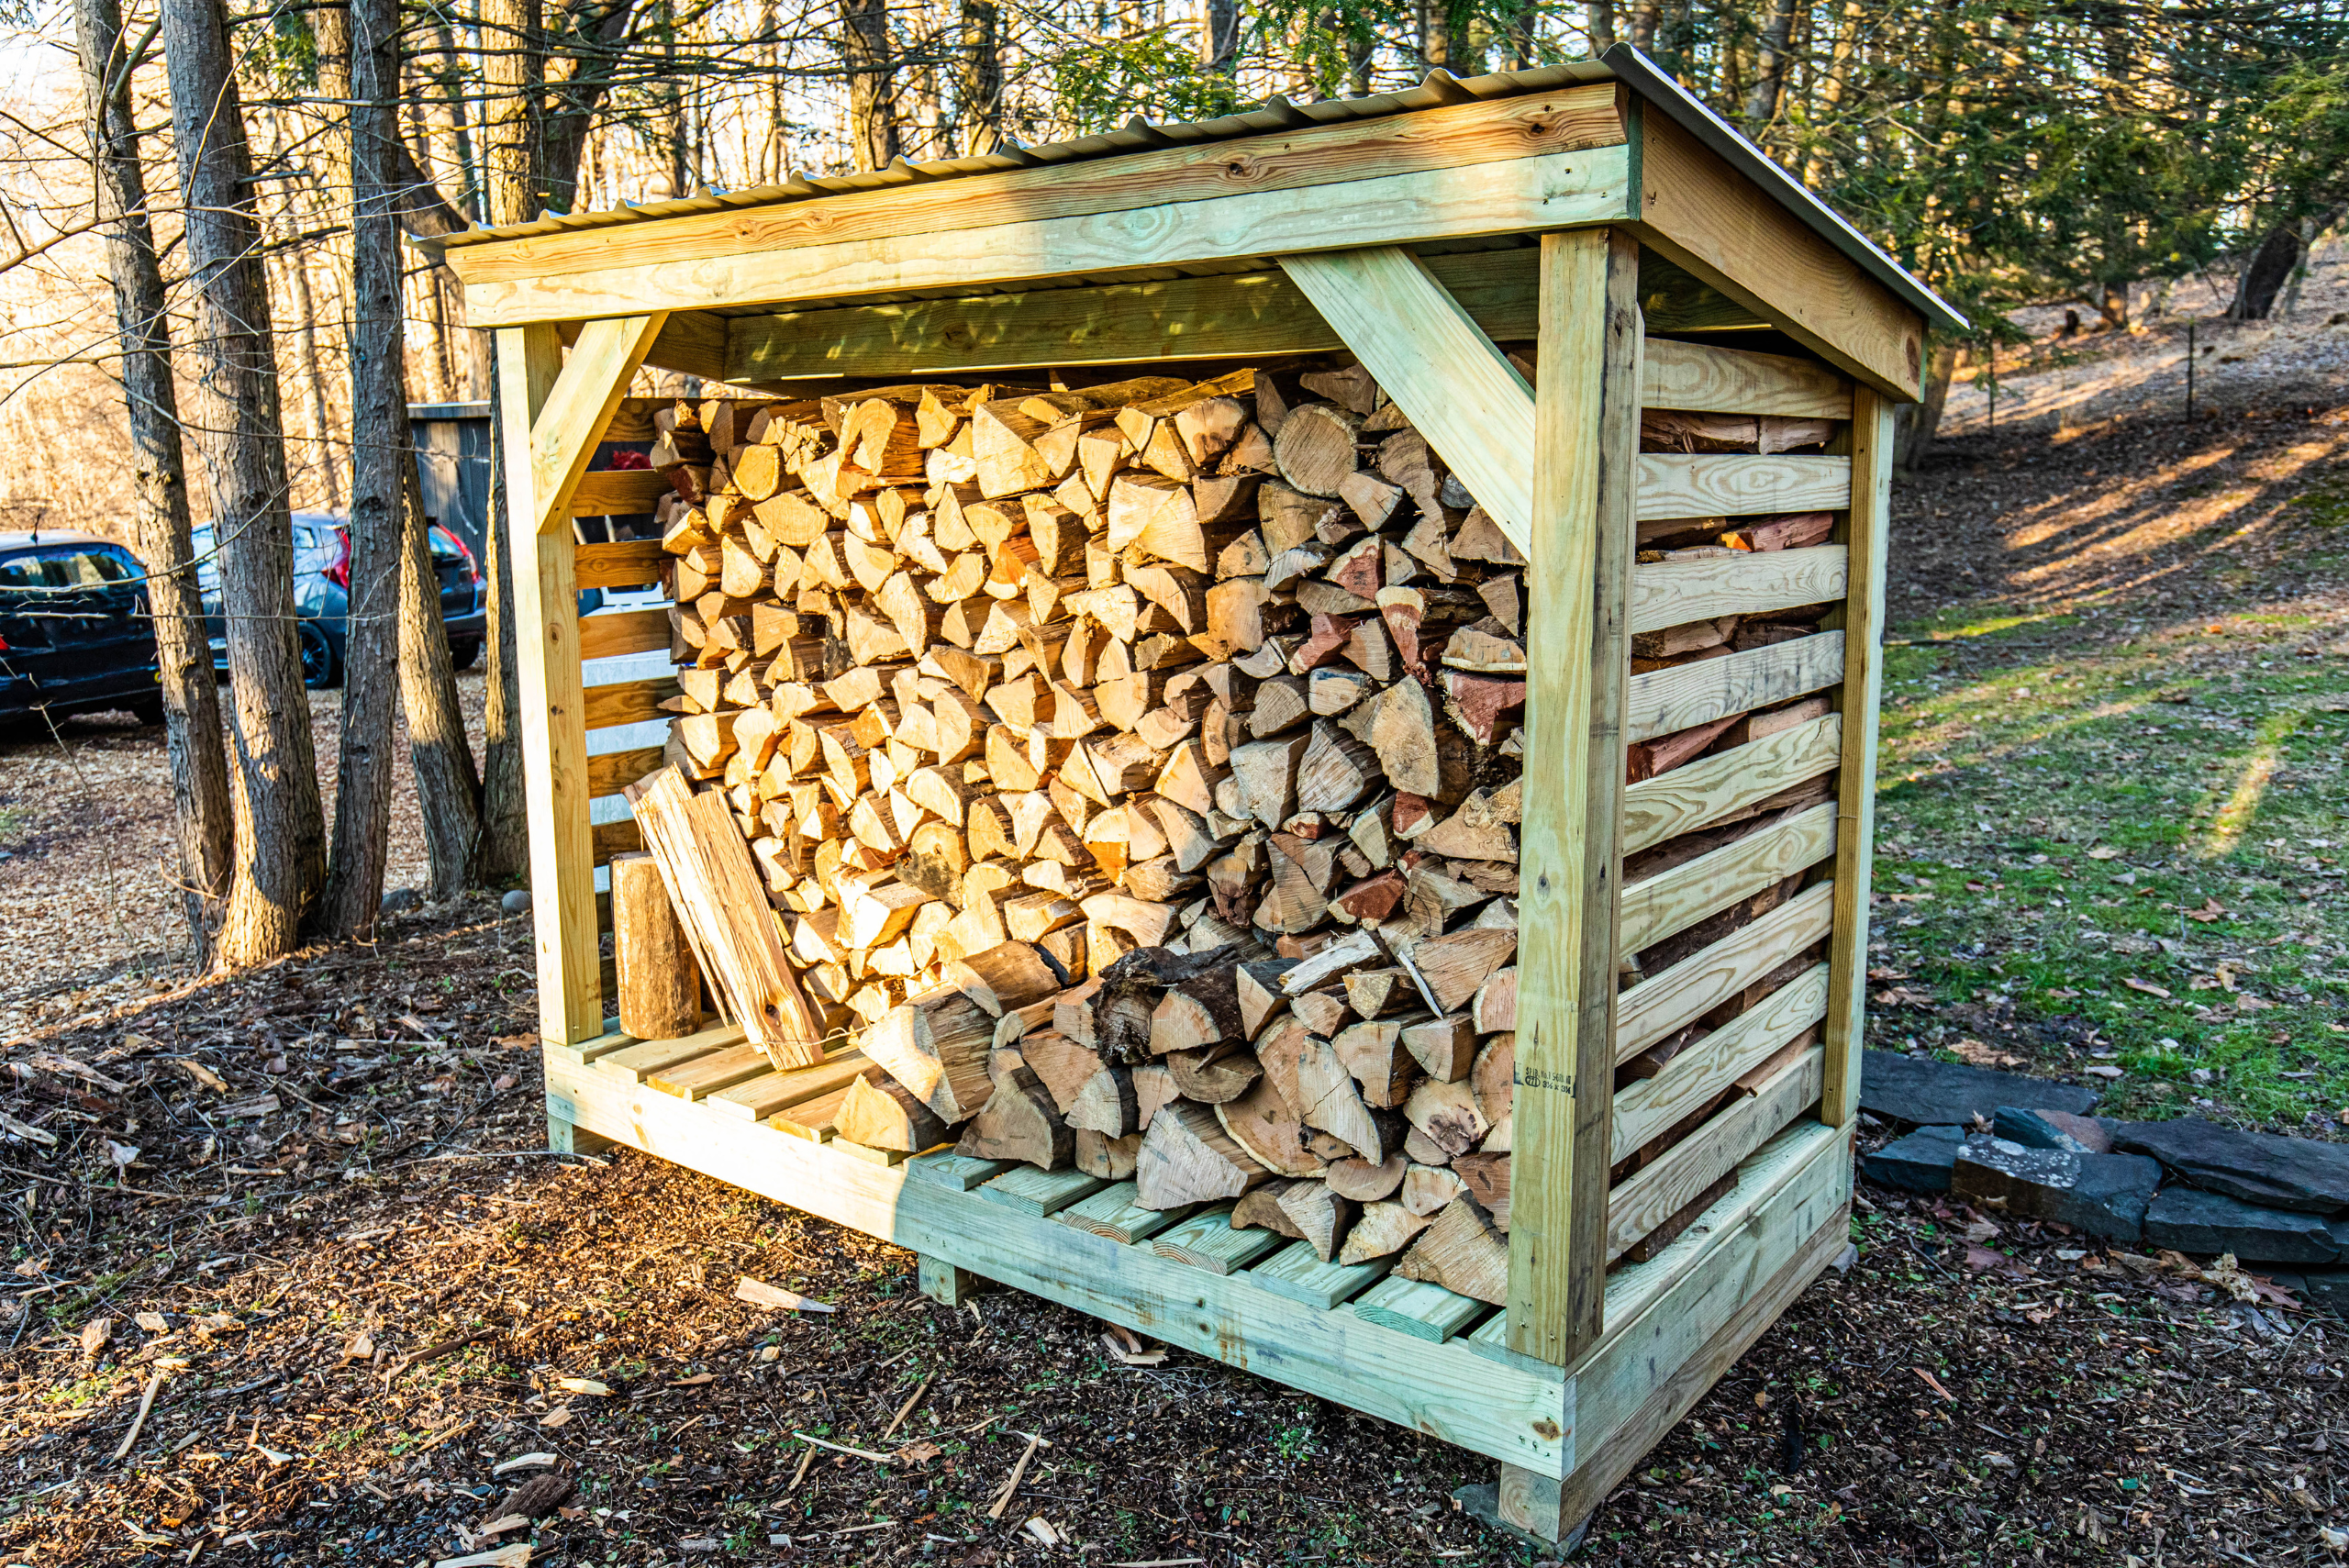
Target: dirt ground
(312,1208)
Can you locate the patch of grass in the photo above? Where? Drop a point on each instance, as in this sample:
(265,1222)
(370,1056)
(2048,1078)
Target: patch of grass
(2120,848)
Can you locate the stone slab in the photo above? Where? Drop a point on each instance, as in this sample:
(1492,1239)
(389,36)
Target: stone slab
(2051,1129)
(2192,1220)
(1918,1164)
(2255,1167)
(2329,1290)
(1925,1092)
(2098,1194)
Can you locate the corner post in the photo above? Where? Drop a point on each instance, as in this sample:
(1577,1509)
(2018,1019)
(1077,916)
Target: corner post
(1578,588)
(554,735)
(1865,530)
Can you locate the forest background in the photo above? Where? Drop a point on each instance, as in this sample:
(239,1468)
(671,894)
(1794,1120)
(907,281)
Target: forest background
(252,165)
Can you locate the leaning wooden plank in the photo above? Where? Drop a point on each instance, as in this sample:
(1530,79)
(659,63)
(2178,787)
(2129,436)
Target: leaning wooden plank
(629,702)
(1649,1108)
(1113,1213)
(1713,787)
(1299,1273)
(1707,484)
(1866,532)
(632,563)
(1206,1241)
(723,902)
(1673,593)
(759,1098)
(637,631)
(1662,1190)
(1698,376)
(1284,166)
(1415,1308)
(634,1063)
(1514,1413)
(1664,700)
(706,1074)
(1508,196)
(1708,977)
(1428,355)
(567,428)
(956,1172)
(1027,1190)
(1674,900)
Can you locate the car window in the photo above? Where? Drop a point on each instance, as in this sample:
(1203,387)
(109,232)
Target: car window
(88,568)
(446,550)
(24,572)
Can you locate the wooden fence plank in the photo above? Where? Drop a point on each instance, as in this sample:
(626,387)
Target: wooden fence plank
(615,770)
(1662,1190)
(1673,593)
(618,492)
(1700,377)
(1705,979)
(629,702)
(1710,788)
(1711,484)
(1649,1108)
(1674,900)
(628,631)
(1664,700)
(631,564)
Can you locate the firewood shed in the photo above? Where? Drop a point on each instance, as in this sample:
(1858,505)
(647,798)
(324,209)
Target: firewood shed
(1438,537)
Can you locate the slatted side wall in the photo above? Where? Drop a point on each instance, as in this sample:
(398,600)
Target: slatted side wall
(1735,733)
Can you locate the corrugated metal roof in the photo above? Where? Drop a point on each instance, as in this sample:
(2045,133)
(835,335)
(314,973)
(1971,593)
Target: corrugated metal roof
(1438,89)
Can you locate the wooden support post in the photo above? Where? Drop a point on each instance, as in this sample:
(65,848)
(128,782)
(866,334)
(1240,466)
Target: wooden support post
(567,1137)
(946,1284)
(1865,536)
(1578,592)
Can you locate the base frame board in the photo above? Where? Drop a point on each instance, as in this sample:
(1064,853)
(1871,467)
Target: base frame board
(1468,1390)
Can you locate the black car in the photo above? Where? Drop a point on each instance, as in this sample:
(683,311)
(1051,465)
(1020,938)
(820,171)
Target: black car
(74,637)
(322,594)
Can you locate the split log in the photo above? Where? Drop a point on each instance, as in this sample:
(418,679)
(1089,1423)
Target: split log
(884,1115)
(1260,1209)
(659,984)
(1487,1179)
(936,1045)
(1447,1115)
(1112,1159)
(1427,1188)
(1187,1158)
(1445,1047)
(1019,1122)
(1265,1124)
(1463,1252)
(1105,1104)
(1061,1061)
(1215,1074)
(1381,1230)
(1329,1098)
(1366,1181)
(1315,447)
(1321,1216)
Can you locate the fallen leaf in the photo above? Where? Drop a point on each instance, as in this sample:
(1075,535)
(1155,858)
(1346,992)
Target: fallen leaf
(1935,1384)
(758,1292)
(584,1385)
(2102,1070)
(522,1462)
(914,1455)
(695,1381)
(96,1334)
(123,1156)
(2104,852)
(204,1075)
(151,1323)
(2147,986)
(2212,910)
(504,1082)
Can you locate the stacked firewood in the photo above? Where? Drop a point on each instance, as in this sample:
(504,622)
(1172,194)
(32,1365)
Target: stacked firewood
(1134,770)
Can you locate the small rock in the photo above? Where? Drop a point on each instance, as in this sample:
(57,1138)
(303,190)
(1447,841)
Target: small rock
(2102,1195)
(1918,1164)
(2259,1168)
(2189,1220)
(2051,1129)
(399,901)
(1925,1092)
(516,902)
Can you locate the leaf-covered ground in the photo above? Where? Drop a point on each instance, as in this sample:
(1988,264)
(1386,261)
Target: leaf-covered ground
(306,1202)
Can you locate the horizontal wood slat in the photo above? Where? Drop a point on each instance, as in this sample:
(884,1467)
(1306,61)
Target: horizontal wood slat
(1283,163)
(630,701)
(1699,377)
(625,631)
(1734,484)
(1664,700)
(1751,583)
(618,492)
(615,770)
(616,838)
(1674,900)
(1515,195)
(1710,788)
(632,564)
(1705,979)
(1685,1171)
(1649,1108)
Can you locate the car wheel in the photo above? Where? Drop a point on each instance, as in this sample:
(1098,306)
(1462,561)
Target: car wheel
(461,655)
(319,666)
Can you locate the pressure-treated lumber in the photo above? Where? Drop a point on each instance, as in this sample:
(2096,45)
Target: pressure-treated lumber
(1707,484)
(1646,1108)
(1582,550)
(569,423)
(1868,535)
(1680,374)
(1674,900)
(1428,354)
(1673,593)
(1659,1191)
(1656,1007)
(659,984)
(1662,701)
(1728,783)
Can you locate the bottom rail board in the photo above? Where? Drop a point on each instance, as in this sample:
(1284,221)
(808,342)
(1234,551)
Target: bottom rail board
(1407,1352)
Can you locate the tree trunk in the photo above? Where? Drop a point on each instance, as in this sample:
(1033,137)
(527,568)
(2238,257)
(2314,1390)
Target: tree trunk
(1770,67)
(364,773)
(203,817)
(2272,265)
(1219,37)
(872,89)
(447,785)
(281,830)
(512,148)
(1914,425)
(979,98)
(1599,20)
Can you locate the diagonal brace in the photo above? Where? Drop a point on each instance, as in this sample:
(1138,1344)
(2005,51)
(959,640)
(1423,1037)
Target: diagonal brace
(580,404)
(1459,391)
